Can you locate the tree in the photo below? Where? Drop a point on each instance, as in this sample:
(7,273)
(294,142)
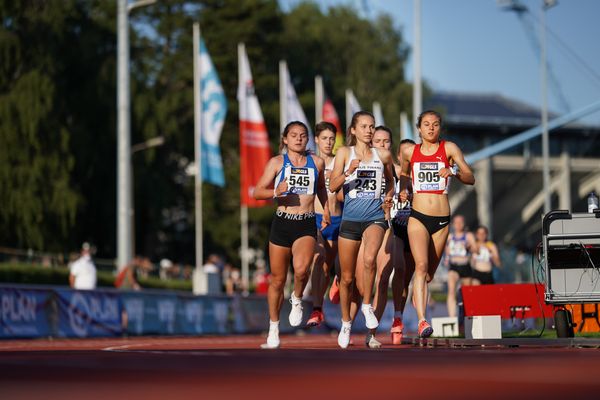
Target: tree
(58,111)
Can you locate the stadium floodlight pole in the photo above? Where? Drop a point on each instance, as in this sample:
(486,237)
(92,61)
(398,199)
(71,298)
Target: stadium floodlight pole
(544,85)
(124,187)
(417,84)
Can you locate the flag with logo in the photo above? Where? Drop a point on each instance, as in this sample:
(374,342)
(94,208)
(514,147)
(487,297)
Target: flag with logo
(255,150)
(213,111)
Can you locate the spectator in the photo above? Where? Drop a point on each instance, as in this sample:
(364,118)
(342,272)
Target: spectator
(126,278)
(213,264)
(212,268)
(83,271)
(236,279)
(165,267)
(261,279)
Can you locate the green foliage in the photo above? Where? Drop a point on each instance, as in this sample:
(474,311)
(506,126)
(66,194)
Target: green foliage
(37,275)
(58,111)
(46,114)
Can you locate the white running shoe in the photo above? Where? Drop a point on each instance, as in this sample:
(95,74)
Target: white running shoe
(370,318)
(272,339)
(344,336)
(296,312)
(371,342)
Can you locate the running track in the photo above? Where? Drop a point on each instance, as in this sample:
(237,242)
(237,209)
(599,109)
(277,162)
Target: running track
(306,367)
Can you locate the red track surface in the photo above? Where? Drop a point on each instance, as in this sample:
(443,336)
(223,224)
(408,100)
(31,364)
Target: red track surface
(306,367)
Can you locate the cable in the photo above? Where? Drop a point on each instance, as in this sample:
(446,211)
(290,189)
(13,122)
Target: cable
(537,295)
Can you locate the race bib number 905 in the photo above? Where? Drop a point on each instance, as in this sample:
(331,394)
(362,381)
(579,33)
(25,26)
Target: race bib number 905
(427,176)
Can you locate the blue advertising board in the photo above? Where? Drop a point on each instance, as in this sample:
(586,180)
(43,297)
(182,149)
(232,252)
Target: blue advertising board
(23,312)
(88,313)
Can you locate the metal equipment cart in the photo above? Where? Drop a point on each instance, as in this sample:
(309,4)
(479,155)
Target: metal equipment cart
(571,260)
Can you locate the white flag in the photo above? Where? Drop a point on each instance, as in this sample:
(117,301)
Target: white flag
(293,109)
(352,106)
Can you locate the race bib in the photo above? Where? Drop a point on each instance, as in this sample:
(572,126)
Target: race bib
(426,176)
(401,216)
(366,184)
(300,180)
(457,248)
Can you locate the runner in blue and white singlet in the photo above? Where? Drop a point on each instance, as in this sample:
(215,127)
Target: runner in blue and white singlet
(294,178)
(362,190)
(359,169)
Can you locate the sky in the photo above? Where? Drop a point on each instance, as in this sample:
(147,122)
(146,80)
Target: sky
(476,46)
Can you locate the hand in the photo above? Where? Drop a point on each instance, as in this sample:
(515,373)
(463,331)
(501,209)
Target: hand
(446,172)
(388,203)
(404,196)
(353,165)
(326,220)
(281,188)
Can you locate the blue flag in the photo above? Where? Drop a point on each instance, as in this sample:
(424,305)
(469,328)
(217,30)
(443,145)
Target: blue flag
(214,109)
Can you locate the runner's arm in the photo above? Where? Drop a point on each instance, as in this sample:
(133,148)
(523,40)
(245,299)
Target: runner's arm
(264,188)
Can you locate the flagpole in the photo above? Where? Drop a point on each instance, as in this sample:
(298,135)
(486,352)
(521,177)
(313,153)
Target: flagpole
(282,94)
(198,146)
(318,99)
(243,207)
(417,84)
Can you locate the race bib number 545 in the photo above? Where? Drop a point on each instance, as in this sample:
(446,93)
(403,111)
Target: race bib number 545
(300,180)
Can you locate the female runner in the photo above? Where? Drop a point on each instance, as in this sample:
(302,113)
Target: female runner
(485,258)
(430,165)
(293,179)
(327,241)
(360,169)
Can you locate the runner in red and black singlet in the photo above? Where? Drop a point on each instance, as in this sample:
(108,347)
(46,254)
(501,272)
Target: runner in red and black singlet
(430,164)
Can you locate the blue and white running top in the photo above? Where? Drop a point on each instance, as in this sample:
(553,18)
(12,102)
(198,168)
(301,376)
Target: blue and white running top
(362,189)
(300,180)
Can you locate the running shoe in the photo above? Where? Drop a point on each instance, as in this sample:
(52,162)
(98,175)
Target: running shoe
(344,336)
(272,340)
(371,342)
(370,318)
(296,311)
(334,291)
(425,329)
(397,331)
(315,319)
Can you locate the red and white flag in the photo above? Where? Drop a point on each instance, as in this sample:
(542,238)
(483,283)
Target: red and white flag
(330,115)
(255,150)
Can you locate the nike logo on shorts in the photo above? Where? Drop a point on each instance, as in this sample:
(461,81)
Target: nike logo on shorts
(443,223)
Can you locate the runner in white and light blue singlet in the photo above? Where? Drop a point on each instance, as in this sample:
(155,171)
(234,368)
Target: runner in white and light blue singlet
(362,190)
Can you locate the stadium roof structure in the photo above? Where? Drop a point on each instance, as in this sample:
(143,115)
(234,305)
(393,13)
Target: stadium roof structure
(484,109)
